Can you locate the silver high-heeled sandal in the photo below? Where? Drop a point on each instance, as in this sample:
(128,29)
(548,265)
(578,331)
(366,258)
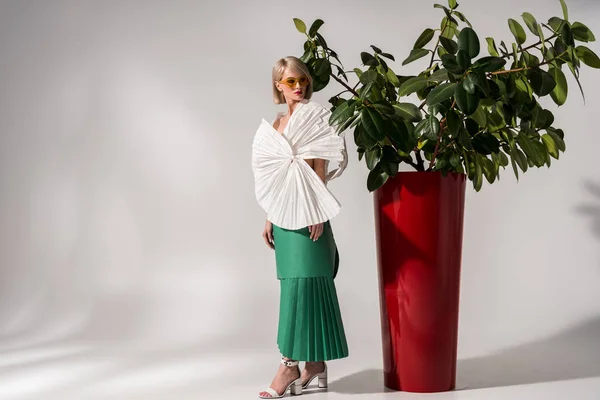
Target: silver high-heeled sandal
(295,387)
(322,379)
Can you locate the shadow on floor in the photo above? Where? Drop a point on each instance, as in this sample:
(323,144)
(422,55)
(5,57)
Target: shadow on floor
(572,354)
(368,381)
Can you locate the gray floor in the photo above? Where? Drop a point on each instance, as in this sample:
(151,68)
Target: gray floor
(559,368)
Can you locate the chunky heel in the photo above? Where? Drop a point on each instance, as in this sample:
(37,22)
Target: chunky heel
(322,379)
(296,389)
(322,382)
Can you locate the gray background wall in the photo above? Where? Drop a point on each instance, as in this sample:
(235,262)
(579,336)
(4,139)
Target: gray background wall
(128,218)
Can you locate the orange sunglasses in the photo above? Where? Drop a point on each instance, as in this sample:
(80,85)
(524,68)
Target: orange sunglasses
(291,82)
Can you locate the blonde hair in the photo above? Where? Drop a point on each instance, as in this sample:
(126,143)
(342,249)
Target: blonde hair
(296,65)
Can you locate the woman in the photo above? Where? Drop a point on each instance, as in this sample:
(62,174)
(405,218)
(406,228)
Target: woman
(290,161)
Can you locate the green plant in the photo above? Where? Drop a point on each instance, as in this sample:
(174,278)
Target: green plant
(475,114)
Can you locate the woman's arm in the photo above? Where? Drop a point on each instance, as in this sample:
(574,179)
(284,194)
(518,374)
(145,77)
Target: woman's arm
(319,167)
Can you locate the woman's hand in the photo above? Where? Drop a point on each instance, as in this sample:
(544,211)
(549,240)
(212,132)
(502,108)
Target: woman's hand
(268,234)
(315,231)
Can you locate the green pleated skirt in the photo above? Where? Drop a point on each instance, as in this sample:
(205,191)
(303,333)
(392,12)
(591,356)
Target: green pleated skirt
(310,322)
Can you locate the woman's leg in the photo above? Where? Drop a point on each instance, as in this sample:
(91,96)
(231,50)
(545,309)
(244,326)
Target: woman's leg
(283,377)
(312,368)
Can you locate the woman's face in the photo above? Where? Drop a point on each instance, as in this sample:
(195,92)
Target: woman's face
(295,93)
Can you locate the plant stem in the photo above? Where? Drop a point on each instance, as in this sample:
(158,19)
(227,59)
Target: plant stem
(508,71)
(438,42)
(439,139)
(341,82)
(533,45)
(527,68)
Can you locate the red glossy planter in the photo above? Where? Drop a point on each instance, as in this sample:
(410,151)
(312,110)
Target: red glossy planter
(419,228)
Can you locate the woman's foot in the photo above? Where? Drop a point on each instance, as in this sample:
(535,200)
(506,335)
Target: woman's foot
(311,369)
(284,376)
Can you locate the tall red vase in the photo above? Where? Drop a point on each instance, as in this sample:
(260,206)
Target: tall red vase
(419,227)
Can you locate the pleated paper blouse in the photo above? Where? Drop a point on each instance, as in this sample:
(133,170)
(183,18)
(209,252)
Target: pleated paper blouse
(286,187)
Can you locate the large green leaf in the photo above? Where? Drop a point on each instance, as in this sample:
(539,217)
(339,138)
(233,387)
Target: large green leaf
(384,107)
(432,127)
(560,92)
(520,158)
(439,76)
(582,32)
(441,93)
(556,23)
(469,42)
(485,143)
(464,61)
(425,38)
(489,64)
(541,81)
(588,57)
(342,112)
(322,69)
(450,63)
(566,33)
(350,122)
(300,25)
(450,45)
(462,17)
(480,116)
(454,123)
(373,123)
(469,84)
(392,77)
(408,111)
(368,59)
(489,168)
(377,178)
(560,142)
(399,133)
(492,47)
(478,177)
(495,121)
(531,23)
(389,161)
(466,102)
(412,85)
(388,55)
(449,28)
(565,9)
(315,27)
(517,30)
(550,145)
(415,54)
(531,149)
(372,157)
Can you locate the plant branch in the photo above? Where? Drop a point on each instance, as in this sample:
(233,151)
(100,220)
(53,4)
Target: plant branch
(533,45)
(508,71)
(341,82)
(439,139)
(438,42)
(527,68)
(340,93)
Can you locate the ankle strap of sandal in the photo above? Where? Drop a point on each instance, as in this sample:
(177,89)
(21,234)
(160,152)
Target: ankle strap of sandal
(289,363)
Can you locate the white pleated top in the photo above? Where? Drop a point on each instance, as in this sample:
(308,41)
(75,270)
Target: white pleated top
(286,187)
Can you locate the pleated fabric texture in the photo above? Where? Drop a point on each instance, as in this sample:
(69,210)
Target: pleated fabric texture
(310,322)
(283,177)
